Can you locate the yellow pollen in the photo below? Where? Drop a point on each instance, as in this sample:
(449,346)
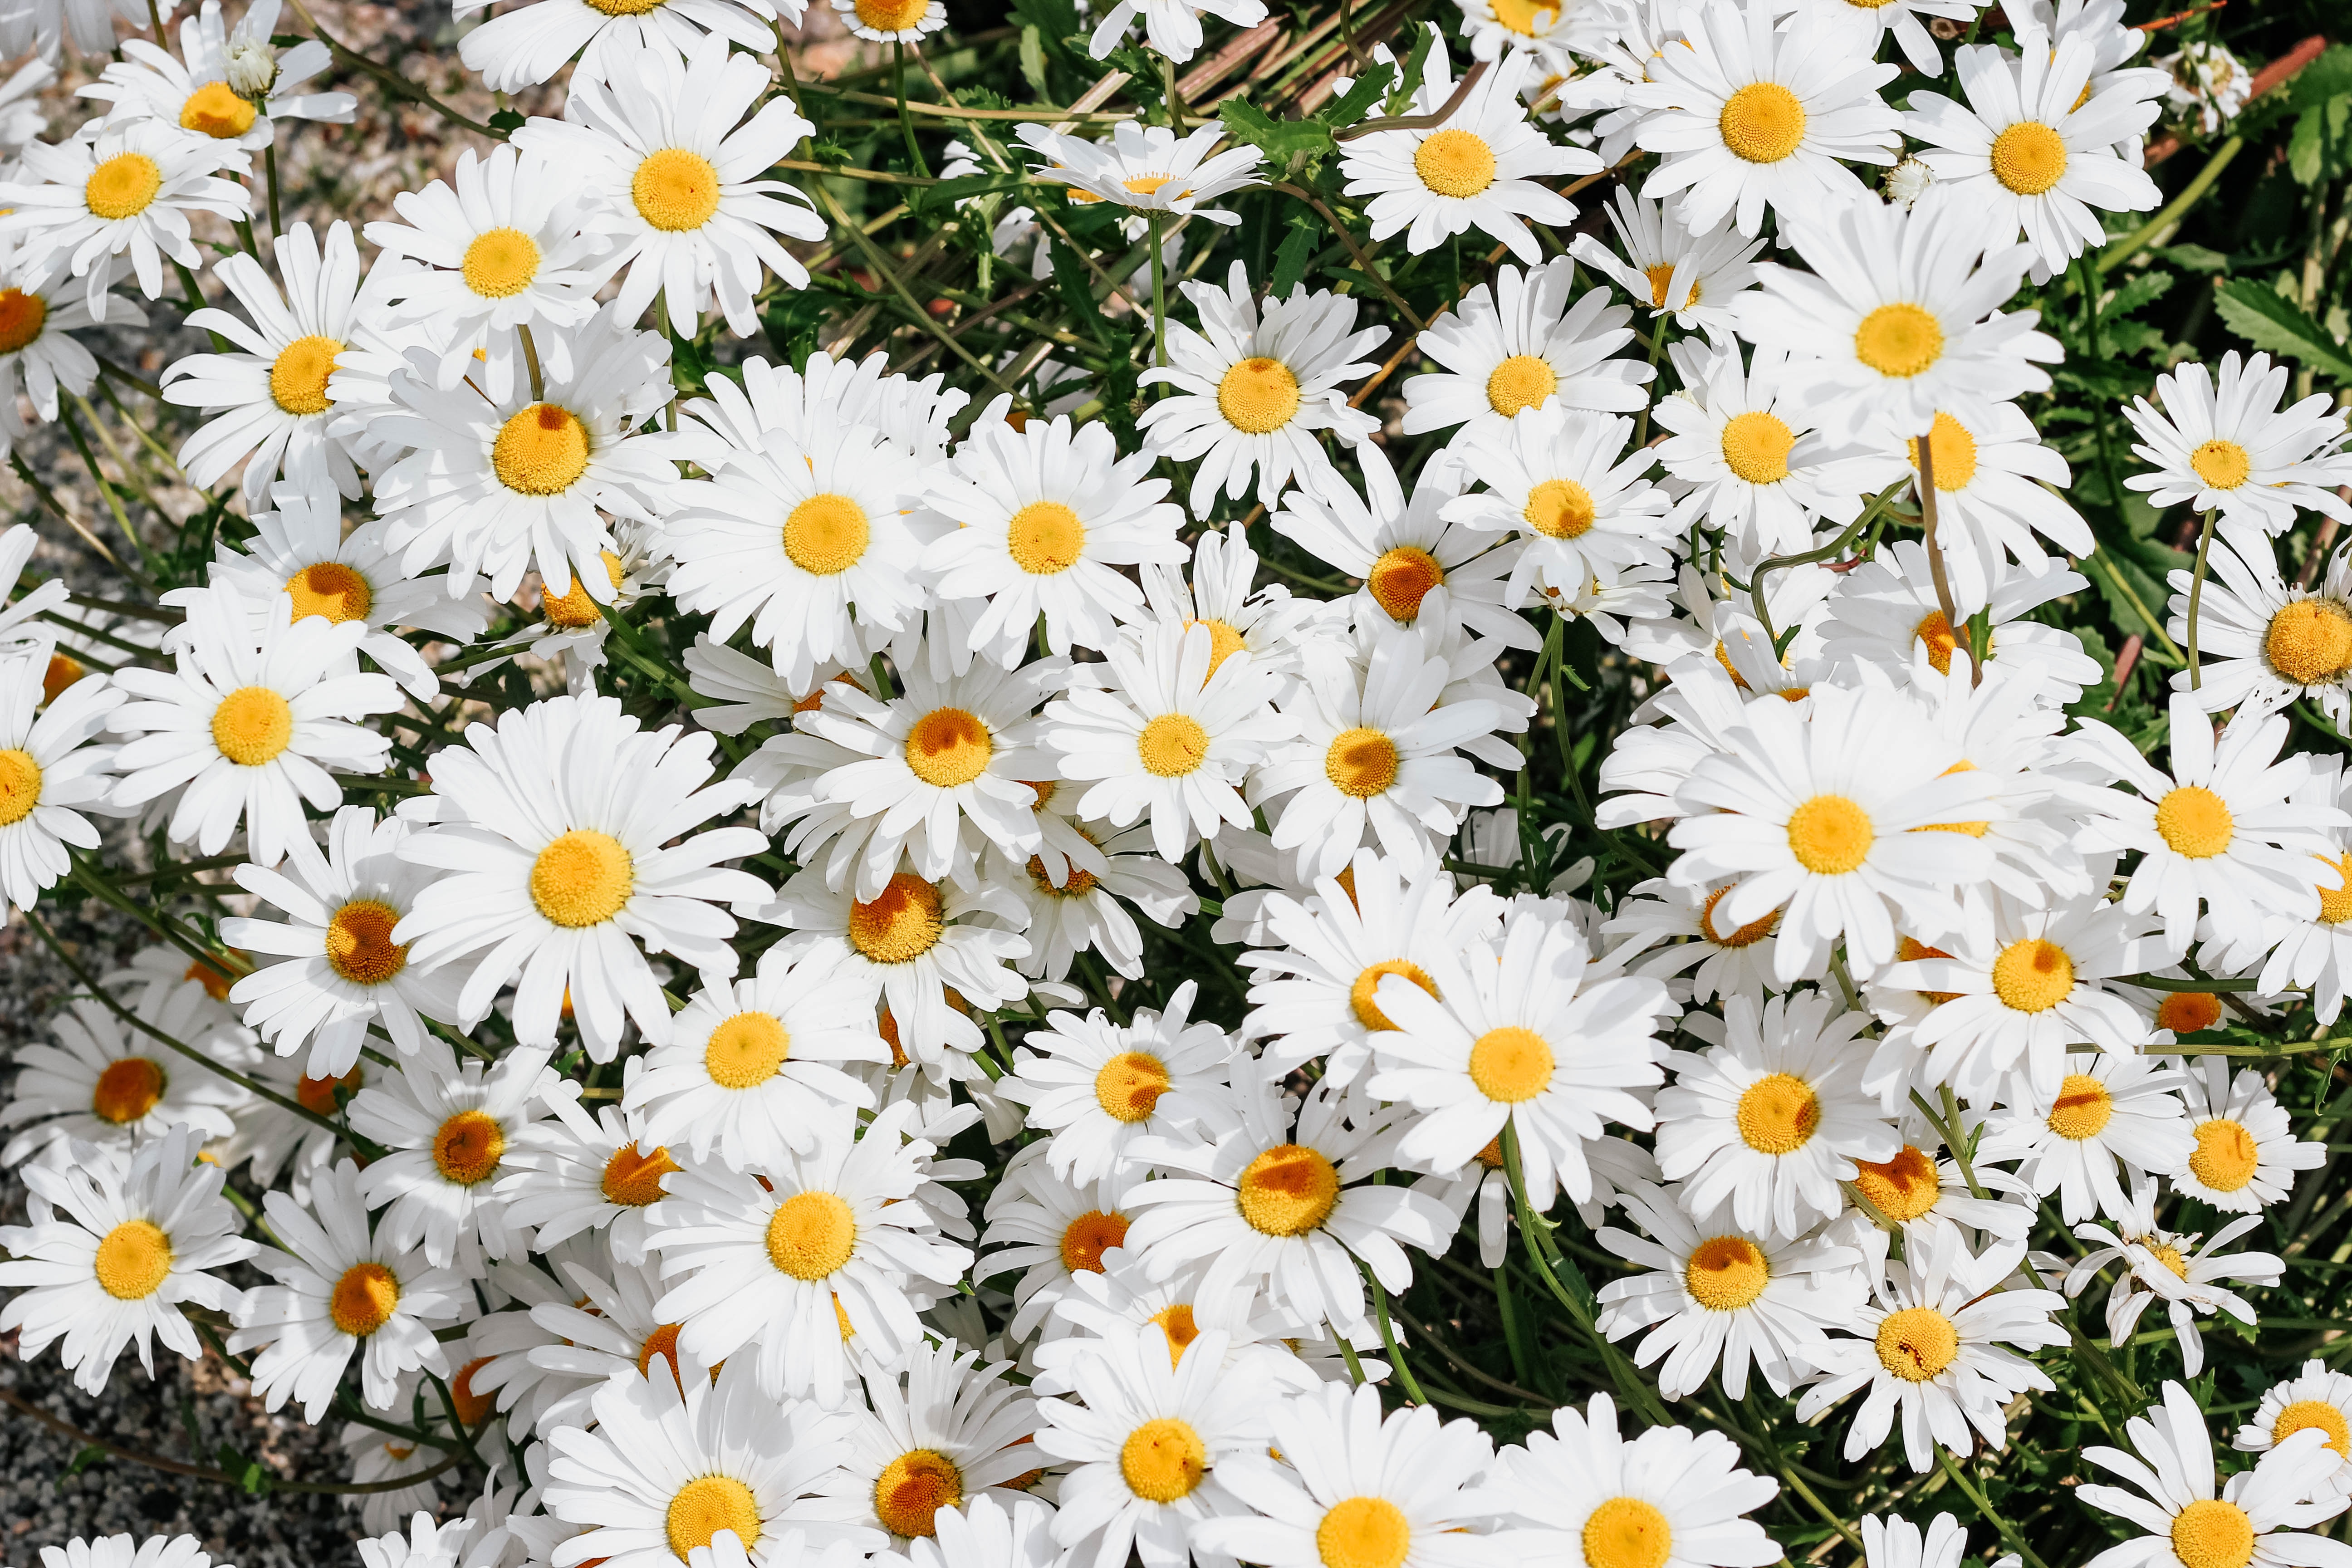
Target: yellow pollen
(2083,1108)
(893,17)
(1045,537)
(1179,1328)
(1830,835)
(948,747)
(812,1235)
(827,535)
(1081,881)
(20,785)
(674,190)
(123,187)
(1559,509)
(359,943)
(2186,1012)
(541,450)
(632,1177)
(900,926)
(1778,1114)
(252,725)
(1173,745)
(1748,935)
(916,1485)
(1289,1190)
(1361,993)
(331,591)
(2164,1252)
(2305,1414)
(629,8)
(1088,1236)
(1366,1532)
(1145,184)
(1224,641)
(573,608)
(2310,642)
(1900,341)
(2033,976)
(1526,17)
(318,1094)
(363,1299)
(1756,447)
(216,982)
(1511,1064)
(22,316)
(63,671)
(1454,162)
(2224,1158)
(1163,1461)
(1522,381)
(1954,450)
(1360,762)
(1130,1085)
(1726,1273)
(2336,903)
(1662,277)
(297,376)
(1626,1532)
(746,1050)
(133,1259)
(662,1342)
(500,263)
(1401,578)
(2029,157)
(2222,465)
(466,1148)
(582,877)
(1916,1343)
(1762,122)
(2195,822)
(1936,632)
(1902,1188)
(1258,395)
(214,111)
(472,1408)
(708,1504)
(2209,1533)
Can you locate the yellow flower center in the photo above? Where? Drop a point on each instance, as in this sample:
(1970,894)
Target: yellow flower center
(1726,1273)
(1953,449)
(2029,157)
(583,878)
(1364,1532)
(1934,629)
(1626,1532)
(297,376)
(1748,935)
(1559,509)
(2193,820)
(900,925)
(1081,881)
(1088,1236)
(541,450)
(214,111)
(330,589)
(1522,381)
(1402,577)
(1662,277)
(2310,642)
(20,785)
(252,725)
(916,1485)
(1258,395)
(1526,17)
(2336,903)
(707,1504)
(632,1177)
(1361,994)
(2224,1158)
(359,943)
(2082,1109)
(2209,1533)
(1454,162)
(892,16)
(2033,976)
(573,608)
(2223,465)
(674,190)
(1360,762)
(2305,1414)
(1902,1188)
(948,747)
(466,1148)
(1778,1114)
(363,1299)
(63,671)
(2186,1012)
(1511,1064)
(1289,1190)
(827,535)
(812,1235)
(1163,1461)
(1045,537)
(663,1343)
(1142,185)
(1900,341)
(1762,122)
(318,1094)
(500,263)
(1756,447)
(133,1259)
(746,1050)
(1173,745)
(1179,1328)
(1130,1085)
(128,1088)
(22,316)
(1830,835)
(1916,1343)
(1224,641)
(123,187)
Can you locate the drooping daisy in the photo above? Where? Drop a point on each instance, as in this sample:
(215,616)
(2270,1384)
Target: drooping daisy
(127,1247)
(1252,389)
(1518,346)
(248,722)
(2315,1397)
(2256,1518)
(107,1082)
(2110,1107)
(49,773)
(2156,1265)
(119,1551)
(127,190)
(2227,447)
(775,399)
(1147,168)
(446,1130)
(339,1292)
(1100,1088)
(555,834)
(943,1432)
(1694,279)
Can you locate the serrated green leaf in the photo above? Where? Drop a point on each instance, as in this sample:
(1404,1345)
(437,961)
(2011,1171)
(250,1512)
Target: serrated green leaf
(1416,66)
(2257,313)
(1297,248)
(1280,140)
(1357,100)
(2141,288)
(1032,59)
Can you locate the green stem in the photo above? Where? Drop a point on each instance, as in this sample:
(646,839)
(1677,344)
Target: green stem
(2197,596)
(531,363)
(1388,1334)
(2009,1533)
(1159,297)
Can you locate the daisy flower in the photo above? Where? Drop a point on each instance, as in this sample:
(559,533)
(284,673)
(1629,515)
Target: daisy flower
(426,1545)
(103,1083)
(1172,26)
(1149,1439)
(1087,910)
(1669,1496)
(2247,1152)
(1746,116)
(2227,447)
(1051,1229)
(1695,278)
(548,1358)
(1483,168)
(1048,516)
(1146,168)
(339,1293)
(2158,1265)
(669,1464)
(2263,644)
(446,1130)
(819,1251)
(1996,487)
(1772,1119)
(1560,480)
(117,1550)
(1722,964)
(753,1068)
(497,485)
(2108,1107)
(39,351)
(1252,388)
(1268,623)
(2315,1397)
(1711,1292)
(576,1175)
(531,43)
(1282,1208)
(1888,604)
(892,21)
(127,190)
(982,1535)
(555,834)
(2033,149)
(943,1432)
(1100,1088)
(2257,1519)
(51,774)
(653,139)
(280,406)
(215,92)
(1519,345)
(111,1253)
(1865,28)
(1405,550)
(248,722)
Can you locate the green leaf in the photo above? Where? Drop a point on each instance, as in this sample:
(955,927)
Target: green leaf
(2257,313)
(1358,100)
(1280,140)
(90,1454)
(1416,65)
(1032,59)
(2142,288)
(506,122)
(1298,247)
(2194,259)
